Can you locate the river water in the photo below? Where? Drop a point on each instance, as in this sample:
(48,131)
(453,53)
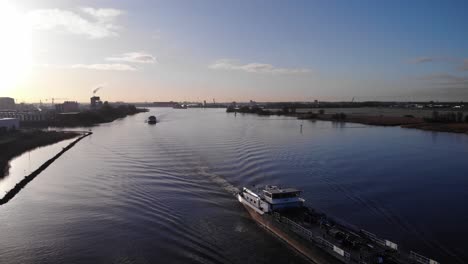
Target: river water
(136,193)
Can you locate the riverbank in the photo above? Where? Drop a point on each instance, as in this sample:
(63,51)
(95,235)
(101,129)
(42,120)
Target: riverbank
(15,143)
(372,116)
(373,120)
(403,121)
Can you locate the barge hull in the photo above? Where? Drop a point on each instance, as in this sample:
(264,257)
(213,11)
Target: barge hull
(311,253)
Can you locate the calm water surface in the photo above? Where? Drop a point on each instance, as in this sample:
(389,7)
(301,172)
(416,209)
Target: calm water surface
(135,193)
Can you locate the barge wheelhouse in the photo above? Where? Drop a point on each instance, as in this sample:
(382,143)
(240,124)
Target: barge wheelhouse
(271,198)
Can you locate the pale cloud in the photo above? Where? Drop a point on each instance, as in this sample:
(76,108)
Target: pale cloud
(104,67)
(102,14)
(447,80)
(97,66)
(420,60)
(449,60)
(226,64)
(135,57)
(99,25)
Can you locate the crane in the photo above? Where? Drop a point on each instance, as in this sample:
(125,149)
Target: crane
(52,100)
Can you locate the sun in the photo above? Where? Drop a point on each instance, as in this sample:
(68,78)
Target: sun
(15,47)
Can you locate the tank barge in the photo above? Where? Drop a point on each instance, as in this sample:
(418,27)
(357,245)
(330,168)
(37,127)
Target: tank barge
(318,238)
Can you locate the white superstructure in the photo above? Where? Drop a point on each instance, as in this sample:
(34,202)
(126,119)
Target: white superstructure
(9,124)
(271,198)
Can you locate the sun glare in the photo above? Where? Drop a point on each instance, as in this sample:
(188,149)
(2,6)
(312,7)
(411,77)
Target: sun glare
(15,47)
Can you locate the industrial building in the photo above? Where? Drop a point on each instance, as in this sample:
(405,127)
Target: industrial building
(7,103)
(96,102)
(67,107)
(165,104)
(32,116)
(8,124)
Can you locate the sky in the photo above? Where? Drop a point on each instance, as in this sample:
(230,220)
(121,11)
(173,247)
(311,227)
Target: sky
(145,51)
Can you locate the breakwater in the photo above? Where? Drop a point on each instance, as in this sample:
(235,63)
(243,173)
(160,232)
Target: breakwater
(15,143)
(27,179)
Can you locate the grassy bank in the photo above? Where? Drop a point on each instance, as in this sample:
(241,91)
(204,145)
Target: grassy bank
(403,121)
(407,121)
(13,144)
(374,120)
(443,121)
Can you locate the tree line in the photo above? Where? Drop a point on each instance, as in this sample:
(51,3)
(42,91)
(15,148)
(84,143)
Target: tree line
(450,117)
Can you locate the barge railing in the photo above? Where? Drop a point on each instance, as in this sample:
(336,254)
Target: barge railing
(421,259)
(343,255)
(309,235)
(383,242)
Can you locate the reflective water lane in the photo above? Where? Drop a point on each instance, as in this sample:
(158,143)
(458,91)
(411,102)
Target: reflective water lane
(137,193)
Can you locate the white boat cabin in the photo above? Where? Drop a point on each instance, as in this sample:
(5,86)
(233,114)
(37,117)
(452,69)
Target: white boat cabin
(279,198)
(272,198)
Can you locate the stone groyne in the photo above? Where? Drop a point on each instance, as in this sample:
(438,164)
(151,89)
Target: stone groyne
(27,179)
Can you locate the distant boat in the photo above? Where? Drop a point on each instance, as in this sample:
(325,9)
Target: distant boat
(152,120)
(180,106)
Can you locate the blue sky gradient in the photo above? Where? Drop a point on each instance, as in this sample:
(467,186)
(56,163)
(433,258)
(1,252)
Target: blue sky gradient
(263,50)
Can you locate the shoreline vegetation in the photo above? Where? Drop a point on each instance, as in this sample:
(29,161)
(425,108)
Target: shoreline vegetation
(16,143)
(105,114)
(27,179)
(454,122)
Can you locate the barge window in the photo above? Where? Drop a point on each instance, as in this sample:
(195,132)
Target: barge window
(285,195)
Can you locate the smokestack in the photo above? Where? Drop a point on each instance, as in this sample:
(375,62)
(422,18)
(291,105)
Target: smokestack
(97,89)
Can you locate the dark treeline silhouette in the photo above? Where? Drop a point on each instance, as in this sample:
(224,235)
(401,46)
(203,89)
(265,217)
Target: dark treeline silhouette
(450,117)
(107,113)
(253,110)
(353,104)
(288,111)
(339,116)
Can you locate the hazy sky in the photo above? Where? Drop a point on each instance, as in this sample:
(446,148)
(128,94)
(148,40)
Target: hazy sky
(234,50)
